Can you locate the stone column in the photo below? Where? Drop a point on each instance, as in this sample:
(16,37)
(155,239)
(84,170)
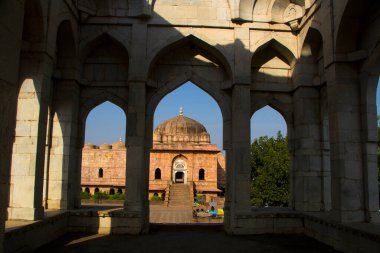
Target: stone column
(28,155)
(137,172)
(307,164)
(325,150)
(63,190)
(238,166)
(10,46)
(343,88)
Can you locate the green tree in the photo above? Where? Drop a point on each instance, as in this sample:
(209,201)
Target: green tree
(270,171)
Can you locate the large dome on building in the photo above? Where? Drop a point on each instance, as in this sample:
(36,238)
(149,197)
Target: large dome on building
(181,129)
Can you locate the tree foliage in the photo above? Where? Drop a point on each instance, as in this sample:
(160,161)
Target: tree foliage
(270,171)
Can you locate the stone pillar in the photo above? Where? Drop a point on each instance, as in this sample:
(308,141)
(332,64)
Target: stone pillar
(307,164)
(369,83)
(28,155)
(62,187)
(10,46)
(137,172)
(325,149)
(343,90)
(238,166)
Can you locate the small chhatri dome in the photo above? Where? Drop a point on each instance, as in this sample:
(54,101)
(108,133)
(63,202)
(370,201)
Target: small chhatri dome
(181,129)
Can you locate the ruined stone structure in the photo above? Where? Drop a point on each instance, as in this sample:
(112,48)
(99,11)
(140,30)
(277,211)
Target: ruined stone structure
(315,61)
(181,154)
(103,168)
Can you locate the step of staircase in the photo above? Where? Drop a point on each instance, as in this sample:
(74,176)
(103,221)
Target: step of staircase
(179,195)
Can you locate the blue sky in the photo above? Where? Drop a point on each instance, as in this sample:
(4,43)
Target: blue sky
(106,123)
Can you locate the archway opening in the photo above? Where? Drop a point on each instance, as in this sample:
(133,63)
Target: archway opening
(104,155)
(270,163)
(186,139)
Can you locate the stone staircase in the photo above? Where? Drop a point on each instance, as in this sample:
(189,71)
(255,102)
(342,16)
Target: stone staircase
(179,195)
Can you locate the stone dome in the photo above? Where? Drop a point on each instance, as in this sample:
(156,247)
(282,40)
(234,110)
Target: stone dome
(118,145)
(181,129)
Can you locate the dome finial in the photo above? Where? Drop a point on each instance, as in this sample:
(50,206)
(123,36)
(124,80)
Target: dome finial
(120,139)
(180,111)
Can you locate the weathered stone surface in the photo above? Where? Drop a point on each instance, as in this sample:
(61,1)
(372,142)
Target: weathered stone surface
(316,62)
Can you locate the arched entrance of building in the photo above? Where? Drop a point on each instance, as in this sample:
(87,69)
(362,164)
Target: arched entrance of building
(206,68)
(179,171)
(179,177)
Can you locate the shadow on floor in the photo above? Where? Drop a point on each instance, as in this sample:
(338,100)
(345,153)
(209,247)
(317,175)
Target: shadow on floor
(164,241)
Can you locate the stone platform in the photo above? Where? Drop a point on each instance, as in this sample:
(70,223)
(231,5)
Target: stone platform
(185,241)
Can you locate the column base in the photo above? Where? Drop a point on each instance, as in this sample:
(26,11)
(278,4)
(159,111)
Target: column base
(24,213)
(374,217)
(57,204)
(348,216)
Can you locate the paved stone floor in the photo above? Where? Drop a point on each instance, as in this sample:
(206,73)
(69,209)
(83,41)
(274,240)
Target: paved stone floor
(184,241)
(180,214)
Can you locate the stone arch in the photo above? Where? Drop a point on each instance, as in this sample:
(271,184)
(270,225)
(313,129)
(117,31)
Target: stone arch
(101,54)
(349,26)
(96,38)
(34,27)
(278,47)
(288,168)
(277,106)
(311,59)
(222,99)
(192,40)
(66,49)
(179,165)
(312,44)
(272,56)
(90,104)
(87,104)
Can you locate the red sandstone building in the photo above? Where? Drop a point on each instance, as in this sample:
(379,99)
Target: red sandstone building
(181,154)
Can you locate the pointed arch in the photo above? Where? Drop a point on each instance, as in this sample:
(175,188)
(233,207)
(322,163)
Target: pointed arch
(349,25)
(178,41)
(98,99)
(99,56)
(311,61)
(33,29)
(98,38)
(312,44)
(222,99)
(66,49)
(282,103)
(281,49)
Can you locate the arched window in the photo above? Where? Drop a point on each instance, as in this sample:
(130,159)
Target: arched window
(100,172)
(87,190)
(201,174)
(112,191)
(157,174)
(96,190)
(119,191)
